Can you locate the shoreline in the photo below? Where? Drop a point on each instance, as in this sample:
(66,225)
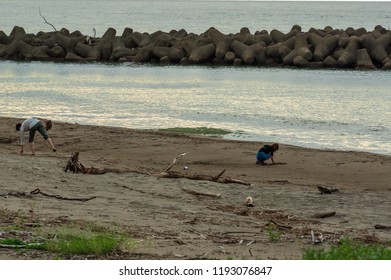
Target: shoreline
(242,158)
(168,222)
(217,136)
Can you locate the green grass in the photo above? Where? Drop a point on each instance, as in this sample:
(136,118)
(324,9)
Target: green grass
(12,241)
(78,245)
(273,233)
(198,130)
(349,250)
(84,243)
(17,242)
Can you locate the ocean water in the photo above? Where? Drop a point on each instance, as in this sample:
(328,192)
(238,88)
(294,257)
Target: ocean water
(193,16)
(327,109)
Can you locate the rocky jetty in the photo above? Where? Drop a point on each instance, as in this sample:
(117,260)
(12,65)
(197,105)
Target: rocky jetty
(315,48)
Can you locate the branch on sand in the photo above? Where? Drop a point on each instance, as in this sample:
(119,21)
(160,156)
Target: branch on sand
(167,173)
(38,191)
(201,193)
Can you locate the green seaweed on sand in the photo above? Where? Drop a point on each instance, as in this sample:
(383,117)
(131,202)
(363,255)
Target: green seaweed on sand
(210,131)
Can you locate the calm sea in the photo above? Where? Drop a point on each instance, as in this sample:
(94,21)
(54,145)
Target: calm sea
(328,109)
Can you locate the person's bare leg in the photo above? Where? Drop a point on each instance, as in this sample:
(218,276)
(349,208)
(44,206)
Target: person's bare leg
(32,148)
(50,142)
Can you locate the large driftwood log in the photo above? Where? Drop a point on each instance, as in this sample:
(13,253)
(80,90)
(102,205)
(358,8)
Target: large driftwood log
(167,173)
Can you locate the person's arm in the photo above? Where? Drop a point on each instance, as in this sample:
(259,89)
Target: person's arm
(21,140)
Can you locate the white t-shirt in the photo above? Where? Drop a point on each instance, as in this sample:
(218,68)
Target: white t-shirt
(26,126)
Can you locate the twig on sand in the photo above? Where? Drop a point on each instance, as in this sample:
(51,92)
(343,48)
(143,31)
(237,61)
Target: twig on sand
(201,193)
(279,225)
(234,181)
(46,20)
(38,191)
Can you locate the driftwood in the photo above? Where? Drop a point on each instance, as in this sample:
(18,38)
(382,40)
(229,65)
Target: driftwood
(175,175)
(167,173)
(201,193)
(382,227)
(234,181)
(326,190)
(323,215)
(174,161)
(38,191)
(278,225)
(75,166)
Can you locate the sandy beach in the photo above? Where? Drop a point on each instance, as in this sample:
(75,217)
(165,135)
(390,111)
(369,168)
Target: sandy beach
(169,220)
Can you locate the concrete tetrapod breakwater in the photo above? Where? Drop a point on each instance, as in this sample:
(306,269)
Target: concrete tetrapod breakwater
(315,48)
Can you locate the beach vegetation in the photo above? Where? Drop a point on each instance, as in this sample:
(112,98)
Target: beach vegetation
(18,243)
(209,131)
(69,241)
(272,232)
(349,250)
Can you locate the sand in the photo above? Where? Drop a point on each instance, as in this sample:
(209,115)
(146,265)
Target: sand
(169,222)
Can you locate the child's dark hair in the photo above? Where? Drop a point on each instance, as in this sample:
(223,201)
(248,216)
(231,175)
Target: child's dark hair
(17,126)
(275,146)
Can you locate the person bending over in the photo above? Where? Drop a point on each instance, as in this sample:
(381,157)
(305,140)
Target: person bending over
(32,125)
(266,152)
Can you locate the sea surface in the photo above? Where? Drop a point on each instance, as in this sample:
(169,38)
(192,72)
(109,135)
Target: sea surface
(327,109)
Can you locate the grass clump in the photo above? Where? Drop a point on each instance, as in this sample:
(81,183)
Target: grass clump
(273,233)
(84,243)
(349,250)
(198,130)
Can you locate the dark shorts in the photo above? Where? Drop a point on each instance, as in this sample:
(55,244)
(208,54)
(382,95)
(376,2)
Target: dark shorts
(41,129)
